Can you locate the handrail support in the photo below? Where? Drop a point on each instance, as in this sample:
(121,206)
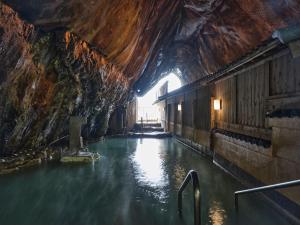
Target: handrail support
(191,176)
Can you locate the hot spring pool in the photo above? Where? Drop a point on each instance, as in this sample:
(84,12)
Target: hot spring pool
(134,183)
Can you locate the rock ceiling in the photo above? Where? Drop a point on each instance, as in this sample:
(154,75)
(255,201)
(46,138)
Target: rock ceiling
(147,38)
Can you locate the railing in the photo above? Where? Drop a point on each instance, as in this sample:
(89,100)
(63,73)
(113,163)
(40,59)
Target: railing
(192,175)
(263,188)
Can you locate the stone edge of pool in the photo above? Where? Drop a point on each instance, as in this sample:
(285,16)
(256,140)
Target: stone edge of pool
(279,202)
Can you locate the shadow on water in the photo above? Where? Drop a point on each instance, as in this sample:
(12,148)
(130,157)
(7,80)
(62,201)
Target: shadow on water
(134,182)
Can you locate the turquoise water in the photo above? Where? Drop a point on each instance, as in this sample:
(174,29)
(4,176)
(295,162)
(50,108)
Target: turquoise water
(134,183)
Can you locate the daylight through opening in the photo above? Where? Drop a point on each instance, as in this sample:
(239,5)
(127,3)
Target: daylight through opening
(149,113)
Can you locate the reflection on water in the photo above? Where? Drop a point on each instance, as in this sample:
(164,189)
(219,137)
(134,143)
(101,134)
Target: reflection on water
(148,161)
(217,214)
(135,182)
(179,175)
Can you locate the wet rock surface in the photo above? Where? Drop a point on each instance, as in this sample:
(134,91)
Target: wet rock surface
(46,77)
(18,160)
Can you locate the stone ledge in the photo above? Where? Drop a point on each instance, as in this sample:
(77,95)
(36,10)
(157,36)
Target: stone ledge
(82,157)
(24,159)
(257,143)
(201,149)
(20,164)
(281,203)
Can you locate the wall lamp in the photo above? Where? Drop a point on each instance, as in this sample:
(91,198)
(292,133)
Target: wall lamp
(179,107)
(217,104)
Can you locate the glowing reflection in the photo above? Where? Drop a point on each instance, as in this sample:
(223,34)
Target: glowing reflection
(148,162)
(179,175)
(217,214)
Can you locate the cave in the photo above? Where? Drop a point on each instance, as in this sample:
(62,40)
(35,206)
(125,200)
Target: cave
(79,146)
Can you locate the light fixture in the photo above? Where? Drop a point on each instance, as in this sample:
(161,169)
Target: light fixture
(179,107)
(217,104)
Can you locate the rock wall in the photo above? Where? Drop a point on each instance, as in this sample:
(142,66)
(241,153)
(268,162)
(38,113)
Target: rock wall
(45,77)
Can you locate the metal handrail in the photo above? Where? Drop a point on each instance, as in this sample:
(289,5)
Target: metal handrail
(263,188)
(192,175)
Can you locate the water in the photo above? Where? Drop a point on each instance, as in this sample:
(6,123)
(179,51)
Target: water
(134,183)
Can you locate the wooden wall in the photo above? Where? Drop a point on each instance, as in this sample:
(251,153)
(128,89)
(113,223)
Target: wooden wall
(226,92)
(243,97)
(285,77)
(171,112)
(251,94)
(202,109)
(187,110)
(246,95)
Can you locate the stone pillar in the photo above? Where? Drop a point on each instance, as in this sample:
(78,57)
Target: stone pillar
(76,141)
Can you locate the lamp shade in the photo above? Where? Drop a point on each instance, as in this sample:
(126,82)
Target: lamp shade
(217,104)
(179,107)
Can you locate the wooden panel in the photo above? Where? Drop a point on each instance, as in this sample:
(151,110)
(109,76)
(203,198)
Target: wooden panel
(251,96)
(226,91)
(245,97)
(201,108)
(284,75)
(171,112)
(187,110)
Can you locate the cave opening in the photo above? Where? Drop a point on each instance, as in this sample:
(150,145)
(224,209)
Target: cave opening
(147,112)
